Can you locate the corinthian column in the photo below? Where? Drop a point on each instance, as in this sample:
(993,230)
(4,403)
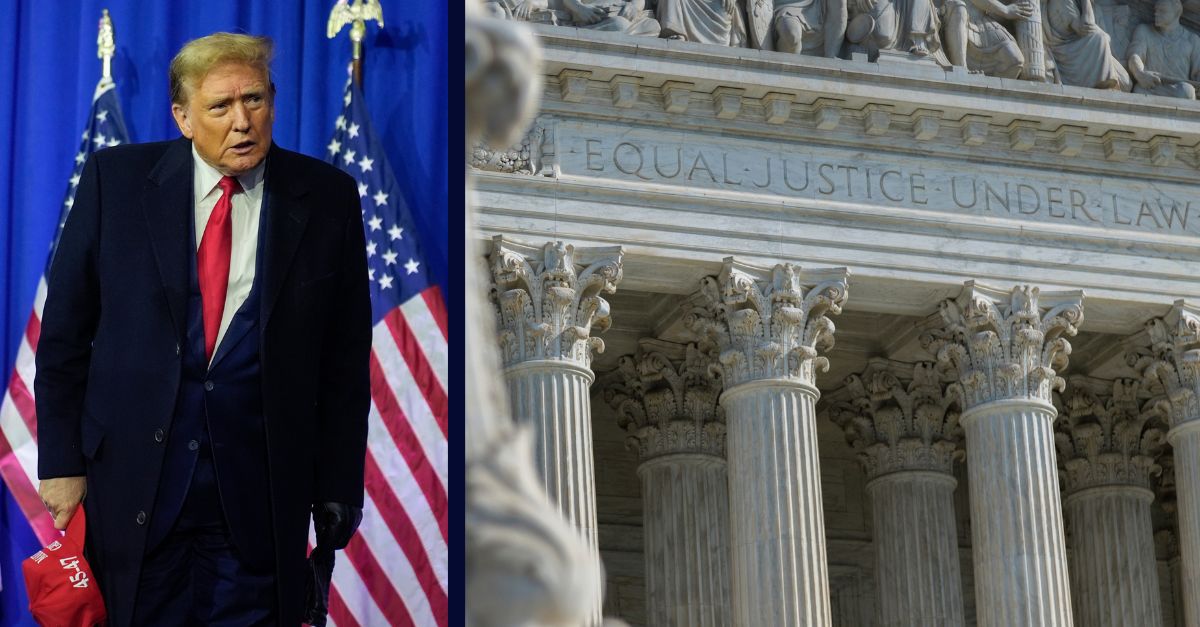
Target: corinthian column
(1174,364)
(1006,348)
(770,324)
(898,419)
(548,305)
(1107,446)
(666,399)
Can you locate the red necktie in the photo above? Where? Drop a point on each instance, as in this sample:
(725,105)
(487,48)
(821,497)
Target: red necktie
(212,262)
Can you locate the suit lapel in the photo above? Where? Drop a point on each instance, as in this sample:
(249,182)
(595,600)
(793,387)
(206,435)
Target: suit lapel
(286,218)
(167,205)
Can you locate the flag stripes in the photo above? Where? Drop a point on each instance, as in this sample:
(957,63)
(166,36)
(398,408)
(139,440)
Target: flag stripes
(400,553)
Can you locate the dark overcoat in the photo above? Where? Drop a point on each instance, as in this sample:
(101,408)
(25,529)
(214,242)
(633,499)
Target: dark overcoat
(109,358)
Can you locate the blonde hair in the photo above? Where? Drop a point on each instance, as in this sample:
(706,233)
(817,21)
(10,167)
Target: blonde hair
(199,56)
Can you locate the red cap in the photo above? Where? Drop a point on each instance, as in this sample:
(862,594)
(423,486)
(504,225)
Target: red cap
(62,590)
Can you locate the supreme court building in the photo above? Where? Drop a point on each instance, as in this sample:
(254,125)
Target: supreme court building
(861,341)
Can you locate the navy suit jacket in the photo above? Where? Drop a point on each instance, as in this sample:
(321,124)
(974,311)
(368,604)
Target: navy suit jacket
(109,357)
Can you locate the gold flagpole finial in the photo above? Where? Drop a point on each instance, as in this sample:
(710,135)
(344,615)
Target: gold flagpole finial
(356,15)
(106,45)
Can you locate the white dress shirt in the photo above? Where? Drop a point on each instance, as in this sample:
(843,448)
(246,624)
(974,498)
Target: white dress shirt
(245,212)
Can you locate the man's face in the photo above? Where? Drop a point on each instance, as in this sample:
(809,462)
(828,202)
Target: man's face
(1166,12)
(228,117)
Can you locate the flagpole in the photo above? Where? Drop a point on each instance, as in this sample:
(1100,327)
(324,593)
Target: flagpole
(356,15)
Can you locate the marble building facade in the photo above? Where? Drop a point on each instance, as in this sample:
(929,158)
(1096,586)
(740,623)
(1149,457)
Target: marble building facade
(885,339)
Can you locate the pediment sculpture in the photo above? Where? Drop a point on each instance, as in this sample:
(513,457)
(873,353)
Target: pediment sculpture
(1084,43)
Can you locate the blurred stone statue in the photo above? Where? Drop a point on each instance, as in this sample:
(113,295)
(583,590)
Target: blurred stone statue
(1080,48)
(526,567)
(812,27)
(622,16)
(1164,58)
(720,22)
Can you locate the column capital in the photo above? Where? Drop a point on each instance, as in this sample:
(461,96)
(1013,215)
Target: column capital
(770,322)
(1006,345)
(666,396)
(899,416)
(549,299)
(1173,360)
(1110,434)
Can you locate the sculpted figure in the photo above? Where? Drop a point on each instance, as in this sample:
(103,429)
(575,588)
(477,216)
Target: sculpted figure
(622,16)
(718,22)
(1080,47)
(812,27)
(1164,57)
(873,24)
(976,35)
(910,25)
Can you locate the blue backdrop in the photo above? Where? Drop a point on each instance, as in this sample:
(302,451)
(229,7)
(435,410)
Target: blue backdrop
(49,69)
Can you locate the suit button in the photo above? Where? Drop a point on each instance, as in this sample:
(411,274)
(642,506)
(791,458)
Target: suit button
(141,518)
(193,445)
(158,435)
(208,386)
(177,351)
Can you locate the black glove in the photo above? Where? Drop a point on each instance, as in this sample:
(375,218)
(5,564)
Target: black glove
(335,524)
(316,586)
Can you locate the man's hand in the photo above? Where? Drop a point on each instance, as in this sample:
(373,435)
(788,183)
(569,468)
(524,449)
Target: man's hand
(335,524)
(61,496)
(1022,10)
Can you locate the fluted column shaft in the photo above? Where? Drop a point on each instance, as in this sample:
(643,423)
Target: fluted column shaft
(1016,518)
(552,396)
(686,523)
(1114,575)
(1185,440)
(780,575)
(916,549)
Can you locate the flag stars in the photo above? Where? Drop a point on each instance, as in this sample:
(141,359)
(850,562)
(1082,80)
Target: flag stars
(79,158)
(346,99)
(70,201)
(411,266)
(113,141)
(376,223)
(74,180)
(362,190)
(370,274)
(99,139)
(395,232)
(380,198)
(371,246)
(365,163)
(389,258)
(102,116)
(385,282)
(353,130)
(348,157)
(86,135)
(341,122)
(335,147)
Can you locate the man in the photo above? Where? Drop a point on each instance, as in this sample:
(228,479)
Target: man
(202,371)
(1164,59)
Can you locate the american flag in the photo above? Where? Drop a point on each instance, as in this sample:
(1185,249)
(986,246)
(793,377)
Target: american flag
(394,570)
(18,419)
